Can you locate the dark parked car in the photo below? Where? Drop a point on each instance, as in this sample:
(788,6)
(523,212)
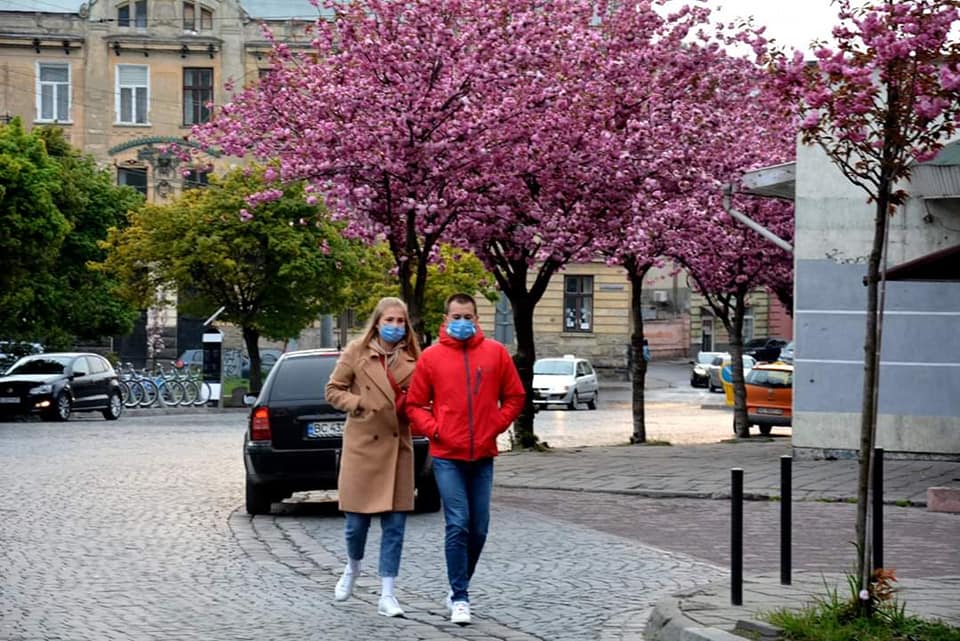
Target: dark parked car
(55,385)
(700,373)
(294,436)
(764,350)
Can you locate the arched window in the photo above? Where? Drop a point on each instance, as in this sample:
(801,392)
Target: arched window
(189,16)
(132,14)
(194,20)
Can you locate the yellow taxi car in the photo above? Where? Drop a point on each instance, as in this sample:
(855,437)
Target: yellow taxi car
(770,396)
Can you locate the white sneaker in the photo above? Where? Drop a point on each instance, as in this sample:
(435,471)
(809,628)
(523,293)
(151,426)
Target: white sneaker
(344,586)
(389,607)
(460,613)
(449,601)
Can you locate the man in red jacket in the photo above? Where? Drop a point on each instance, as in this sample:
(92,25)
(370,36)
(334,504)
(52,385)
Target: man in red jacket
(464,393)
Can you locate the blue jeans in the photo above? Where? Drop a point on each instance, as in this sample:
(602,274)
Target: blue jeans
(391,539)
(465,488)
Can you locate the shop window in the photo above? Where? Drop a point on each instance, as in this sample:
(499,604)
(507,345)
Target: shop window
(135,177)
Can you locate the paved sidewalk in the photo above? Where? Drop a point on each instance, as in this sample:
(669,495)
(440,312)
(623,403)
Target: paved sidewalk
(703,472)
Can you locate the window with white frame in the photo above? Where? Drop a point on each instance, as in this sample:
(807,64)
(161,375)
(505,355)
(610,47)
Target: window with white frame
(133,94)
(53,92)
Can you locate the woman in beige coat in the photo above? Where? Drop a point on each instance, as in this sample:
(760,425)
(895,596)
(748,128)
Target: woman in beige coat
(376,467)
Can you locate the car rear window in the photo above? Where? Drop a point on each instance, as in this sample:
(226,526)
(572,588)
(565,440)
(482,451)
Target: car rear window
(770,378)
(303,377)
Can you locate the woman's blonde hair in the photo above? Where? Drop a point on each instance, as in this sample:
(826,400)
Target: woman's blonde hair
(370,332)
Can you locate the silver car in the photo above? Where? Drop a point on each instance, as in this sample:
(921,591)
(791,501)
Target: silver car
(565,381)
(715,383)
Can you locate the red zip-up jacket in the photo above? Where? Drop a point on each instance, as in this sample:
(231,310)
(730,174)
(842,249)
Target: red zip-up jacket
(463,394)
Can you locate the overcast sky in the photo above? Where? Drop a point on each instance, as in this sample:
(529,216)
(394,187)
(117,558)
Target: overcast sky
(792,23)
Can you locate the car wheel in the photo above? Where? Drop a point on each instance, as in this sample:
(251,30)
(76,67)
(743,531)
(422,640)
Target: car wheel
(114,408)
(572,405)
(258,499)
(765,429)
(428,496)
(592,403)
(62,407)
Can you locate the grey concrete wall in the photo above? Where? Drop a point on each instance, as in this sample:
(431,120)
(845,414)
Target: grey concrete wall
(919,395)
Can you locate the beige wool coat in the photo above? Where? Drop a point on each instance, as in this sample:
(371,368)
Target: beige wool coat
(376,465)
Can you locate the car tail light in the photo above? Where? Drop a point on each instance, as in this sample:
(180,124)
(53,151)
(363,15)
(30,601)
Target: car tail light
(260,425)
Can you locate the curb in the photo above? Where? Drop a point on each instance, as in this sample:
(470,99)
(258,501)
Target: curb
(165,411)
(667,623)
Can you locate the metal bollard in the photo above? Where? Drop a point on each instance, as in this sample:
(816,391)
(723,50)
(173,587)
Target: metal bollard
(736,537)
(878,507)
(786,506)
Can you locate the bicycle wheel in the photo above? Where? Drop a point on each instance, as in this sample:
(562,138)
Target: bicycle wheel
(150,392)
(204,393)
(170,393)
(190,392)
(132,393)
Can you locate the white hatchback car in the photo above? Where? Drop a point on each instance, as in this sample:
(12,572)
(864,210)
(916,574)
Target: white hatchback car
(565,381)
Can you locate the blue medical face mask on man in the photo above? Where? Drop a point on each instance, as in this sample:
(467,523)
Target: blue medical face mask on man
(461,329)
(392,333)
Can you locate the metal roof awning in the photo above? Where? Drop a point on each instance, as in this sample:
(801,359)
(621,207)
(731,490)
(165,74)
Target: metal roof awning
(942,265)
(777,181)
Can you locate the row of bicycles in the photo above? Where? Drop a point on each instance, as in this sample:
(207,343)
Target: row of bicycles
(163,387)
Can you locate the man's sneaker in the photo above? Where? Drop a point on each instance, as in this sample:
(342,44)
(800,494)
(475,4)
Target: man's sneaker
(460,613)
(449,601)
(389,607)
(344,586)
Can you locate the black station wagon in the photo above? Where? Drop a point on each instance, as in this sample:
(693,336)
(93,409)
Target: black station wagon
(294,436)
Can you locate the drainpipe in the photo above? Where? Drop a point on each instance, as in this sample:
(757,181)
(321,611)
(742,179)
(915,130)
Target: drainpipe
(749,222)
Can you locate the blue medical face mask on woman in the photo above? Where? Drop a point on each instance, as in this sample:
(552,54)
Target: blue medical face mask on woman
(461,329)
(392,333)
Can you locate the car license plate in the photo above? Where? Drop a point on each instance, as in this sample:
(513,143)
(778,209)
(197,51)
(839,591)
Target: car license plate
(9,399)
(323,429)
(769,410)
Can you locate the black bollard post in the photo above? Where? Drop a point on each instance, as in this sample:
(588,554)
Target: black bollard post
(736,538)
(878,507)
(786,506)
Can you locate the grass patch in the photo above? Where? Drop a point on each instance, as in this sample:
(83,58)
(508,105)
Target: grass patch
(834,619)
(826,622)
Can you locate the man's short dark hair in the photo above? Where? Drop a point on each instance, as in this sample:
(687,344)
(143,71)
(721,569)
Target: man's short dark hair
(463,299)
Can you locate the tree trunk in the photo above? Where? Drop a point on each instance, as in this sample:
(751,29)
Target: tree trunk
(741,424)
(251,338)
(636,362)
(511,276)
(524,358)
(868,414)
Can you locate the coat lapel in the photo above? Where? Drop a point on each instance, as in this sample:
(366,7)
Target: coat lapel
(374,370)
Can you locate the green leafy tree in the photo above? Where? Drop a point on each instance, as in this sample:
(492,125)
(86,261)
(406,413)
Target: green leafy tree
(79,301)
(32,229)
(55,207)
(455,271)
(273,273)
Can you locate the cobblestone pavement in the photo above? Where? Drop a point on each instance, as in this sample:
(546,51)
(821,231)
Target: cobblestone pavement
(133,530)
